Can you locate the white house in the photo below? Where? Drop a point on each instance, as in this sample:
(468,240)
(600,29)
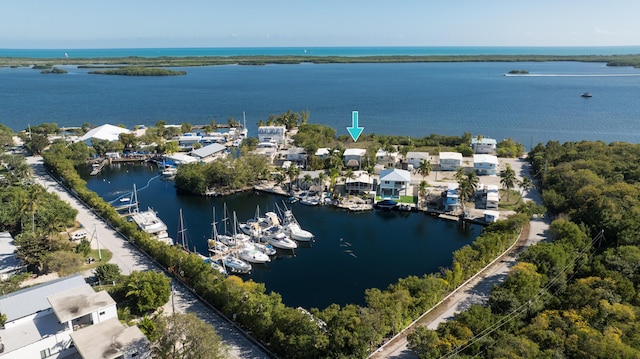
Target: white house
(187,141)
(492,196)
(416,158)
(322,152)
(296,154)
(386,158)
(452,198)
(42,319)
(491,216)
(362,182)
(353,157)
(105,132)
(9,264)
(275,134)
(484,145)
(110,339)
(485,165)
(450,161)
(394,183)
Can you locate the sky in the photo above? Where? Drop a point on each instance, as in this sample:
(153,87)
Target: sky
(31,24)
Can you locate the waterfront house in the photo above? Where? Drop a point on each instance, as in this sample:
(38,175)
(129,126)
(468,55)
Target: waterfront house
(393,183)
(451,198)
(484,145)
(41,320)
(105,132)
(187,142)
(386,158)
(209,152)
(9,264)
(268,150)
(450,161)
(414,159)
(111,339)
(362,182)
(353,157)
(485,165)
(179,158)
(274,134)
(491,216)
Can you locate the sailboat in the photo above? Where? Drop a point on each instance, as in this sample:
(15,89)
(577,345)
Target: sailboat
(292,227)
(214,245)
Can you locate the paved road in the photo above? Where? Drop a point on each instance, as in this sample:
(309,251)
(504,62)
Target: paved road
(477,290)
(128,258)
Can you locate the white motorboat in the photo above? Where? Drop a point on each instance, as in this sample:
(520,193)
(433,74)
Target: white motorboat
(149,222)
(277,238)
(214,264)
(265,248)
(169,172)
(234,264)
(251,254)
(216,247)
(292,228)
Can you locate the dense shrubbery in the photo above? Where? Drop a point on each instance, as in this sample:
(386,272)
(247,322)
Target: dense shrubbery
(574,297)
(334,332)
(139,71)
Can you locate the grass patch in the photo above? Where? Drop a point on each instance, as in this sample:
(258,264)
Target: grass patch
(513,199)
(402,199)
(106,257)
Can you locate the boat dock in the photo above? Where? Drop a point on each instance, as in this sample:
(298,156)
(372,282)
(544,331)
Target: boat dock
(97,167)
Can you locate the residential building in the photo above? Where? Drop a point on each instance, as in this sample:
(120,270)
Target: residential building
(187,142)
(322,153)
(394,183)
(386,158)
(297,155)
(275,134)
(485,165)
(492,194)
(111,340)
(362,182)
(9,264)
(491,216)
(353,157)
(416,158)
(42,320)
(452,198)
(450,161)
(268,150)
(484,145)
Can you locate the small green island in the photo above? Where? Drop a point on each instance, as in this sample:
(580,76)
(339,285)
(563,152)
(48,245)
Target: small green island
(139,71)
(54,70)
(518,72)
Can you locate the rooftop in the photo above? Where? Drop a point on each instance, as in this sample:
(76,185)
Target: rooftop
(483,158)
(30,331)
(209,150)
(78,302)
(109,339)
(105,132)
(395,175)
(450,156)
(354,152)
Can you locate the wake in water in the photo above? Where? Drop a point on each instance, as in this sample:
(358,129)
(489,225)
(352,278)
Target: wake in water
(572,75)
(129,194)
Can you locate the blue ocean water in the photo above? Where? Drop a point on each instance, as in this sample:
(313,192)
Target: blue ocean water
(414,99)
(320,51)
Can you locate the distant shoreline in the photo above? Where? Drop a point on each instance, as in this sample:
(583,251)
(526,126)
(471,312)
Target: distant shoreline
(162,61)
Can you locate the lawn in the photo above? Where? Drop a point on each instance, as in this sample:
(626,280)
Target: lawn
(512,203)
(403,199)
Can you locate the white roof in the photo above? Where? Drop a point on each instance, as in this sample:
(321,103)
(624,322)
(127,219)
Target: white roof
(452,186)
(483,141)
(77,302)
(360,176)
(209,150)
(482,158)
(492,188)
(104,132)
(181,158)
(189,138)
(324,151)
(450,156)
(354,152)
(382,153)
(421,155)
(108,340)
(395,175)
(31,300)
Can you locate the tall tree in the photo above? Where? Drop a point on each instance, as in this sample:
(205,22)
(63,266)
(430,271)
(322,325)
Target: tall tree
(424,168)
(508,179)
(184,336)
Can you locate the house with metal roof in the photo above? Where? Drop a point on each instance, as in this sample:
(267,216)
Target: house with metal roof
(41,319)
(209,152)
(485,165)
(353,157)
(394,183)
(450,161)
(484,145)
(416,158)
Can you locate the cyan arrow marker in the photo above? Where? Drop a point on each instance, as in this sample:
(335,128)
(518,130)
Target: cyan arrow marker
(354,130)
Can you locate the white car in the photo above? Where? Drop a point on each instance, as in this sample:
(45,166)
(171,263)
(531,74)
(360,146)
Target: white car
(79,235)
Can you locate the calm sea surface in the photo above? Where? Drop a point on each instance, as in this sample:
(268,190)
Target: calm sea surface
(352,252)
(414,99)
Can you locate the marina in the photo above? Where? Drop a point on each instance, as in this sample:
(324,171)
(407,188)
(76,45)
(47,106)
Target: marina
(333,268)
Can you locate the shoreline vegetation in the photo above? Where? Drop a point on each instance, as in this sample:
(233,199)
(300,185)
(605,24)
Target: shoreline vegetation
(632,60)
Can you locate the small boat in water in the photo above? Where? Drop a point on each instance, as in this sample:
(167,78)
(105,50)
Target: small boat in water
(265,248)
(292,228)
(586,94)
(235,265)
(277,238)
(386,204)
(249,253)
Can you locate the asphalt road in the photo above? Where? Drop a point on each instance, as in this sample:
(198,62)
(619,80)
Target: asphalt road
(129,259)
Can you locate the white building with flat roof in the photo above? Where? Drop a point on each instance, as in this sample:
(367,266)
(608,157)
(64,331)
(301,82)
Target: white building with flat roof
(485,165)
(275,134)
(450,161)
(484,145)
(416,158)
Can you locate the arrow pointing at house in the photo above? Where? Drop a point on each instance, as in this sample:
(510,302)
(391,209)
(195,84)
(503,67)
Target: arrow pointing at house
(354,130)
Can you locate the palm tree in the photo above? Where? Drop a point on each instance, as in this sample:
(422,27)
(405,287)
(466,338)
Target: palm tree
(320,179)
(422,190)
(467,186)
(508,179)
(307,180)
(30,204)
(292,172)
(525,185)
(425,168)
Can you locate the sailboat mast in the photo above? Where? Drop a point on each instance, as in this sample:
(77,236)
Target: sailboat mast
(181,230)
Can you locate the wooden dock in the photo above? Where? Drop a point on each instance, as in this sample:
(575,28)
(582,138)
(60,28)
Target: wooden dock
(97,167)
